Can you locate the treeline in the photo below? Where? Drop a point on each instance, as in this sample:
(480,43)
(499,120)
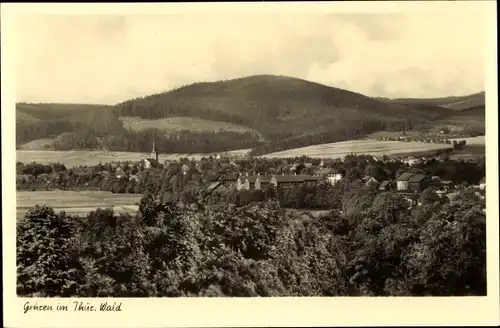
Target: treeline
(375,247)
(26,132)
(141,141)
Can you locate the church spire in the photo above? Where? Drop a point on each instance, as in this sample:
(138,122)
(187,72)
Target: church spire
(154,153)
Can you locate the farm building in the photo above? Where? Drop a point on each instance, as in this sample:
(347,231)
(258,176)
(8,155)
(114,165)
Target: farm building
(259,182)
(290,180)
(403,183)
(418,182)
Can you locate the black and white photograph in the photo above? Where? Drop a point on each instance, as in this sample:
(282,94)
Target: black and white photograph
(250,154)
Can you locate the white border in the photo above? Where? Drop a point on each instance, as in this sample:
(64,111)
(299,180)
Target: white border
(252,311)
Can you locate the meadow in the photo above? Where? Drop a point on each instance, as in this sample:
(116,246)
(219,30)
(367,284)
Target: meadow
(365,146)
(91,157)
(172,124)
(77,202)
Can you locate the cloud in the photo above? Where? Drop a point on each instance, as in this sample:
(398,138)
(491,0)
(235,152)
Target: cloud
(107,59)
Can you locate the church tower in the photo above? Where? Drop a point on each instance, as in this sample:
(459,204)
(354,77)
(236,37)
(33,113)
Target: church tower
(154,153)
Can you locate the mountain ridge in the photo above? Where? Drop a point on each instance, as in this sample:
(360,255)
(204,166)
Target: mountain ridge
(287,112)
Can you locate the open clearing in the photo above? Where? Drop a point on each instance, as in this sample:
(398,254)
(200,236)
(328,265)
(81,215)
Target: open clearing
(37,144)
(77,202)
(173,124)
(90,157)
(367,147)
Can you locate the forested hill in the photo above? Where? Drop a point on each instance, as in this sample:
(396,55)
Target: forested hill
(278,106)
(271,112)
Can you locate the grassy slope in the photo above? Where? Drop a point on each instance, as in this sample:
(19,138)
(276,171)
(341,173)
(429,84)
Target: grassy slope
(182,123)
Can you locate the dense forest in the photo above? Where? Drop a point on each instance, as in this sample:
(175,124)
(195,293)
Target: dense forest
(375,247)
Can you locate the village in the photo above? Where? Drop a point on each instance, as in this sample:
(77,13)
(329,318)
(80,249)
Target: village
(221,174)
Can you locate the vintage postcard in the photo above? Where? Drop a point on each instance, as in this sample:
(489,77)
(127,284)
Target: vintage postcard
(250,164)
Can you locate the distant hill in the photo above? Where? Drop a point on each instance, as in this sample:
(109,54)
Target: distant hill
(473,101)
(265,112)
(287,111)
(454,102)
(46,112)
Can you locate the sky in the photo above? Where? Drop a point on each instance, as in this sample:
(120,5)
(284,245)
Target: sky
(112,58)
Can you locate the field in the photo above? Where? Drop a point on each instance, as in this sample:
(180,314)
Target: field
(76,202)
(475,141)
(182,123)
(367,146)
(44,143)
(82,157)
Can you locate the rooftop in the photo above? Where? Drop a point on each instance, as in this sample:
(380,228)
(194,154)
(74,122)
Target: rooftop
(417,178)
(296,178)
(405,176)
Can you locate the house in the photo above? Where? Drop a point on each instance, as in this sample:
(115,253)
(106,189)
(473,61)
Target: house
(447,185)
(436,181)
(441,193)
(402,183)
(150,162)
(216,187)
(105,174)
(262,181)
(184,169)
(482,184)
(120,173)
(330,175)
(135,177)
(386,185)
(229,180)
(371,182)
(253,182)
(418,182)
(293,180)
(410,161)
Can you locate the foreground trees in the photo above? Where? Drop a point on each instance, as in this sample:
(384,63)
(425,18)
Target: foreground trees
(377,247)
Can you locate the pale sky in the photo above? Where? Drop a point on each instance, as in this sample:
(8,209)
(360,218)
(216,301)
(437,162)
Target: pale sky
(109,59)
